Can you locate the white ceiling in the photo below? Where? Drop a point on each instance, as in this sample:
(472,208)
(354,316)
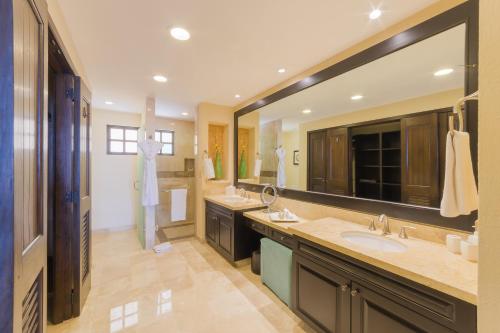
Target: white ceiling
(236,46)
(405,74)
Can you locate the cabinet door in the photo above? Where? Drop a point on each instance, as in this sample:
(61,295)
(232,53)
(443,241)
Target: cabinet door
(373,313)
(226,235)
(420,159)
(316,161)
(320,296)
(337,161)
(211,227)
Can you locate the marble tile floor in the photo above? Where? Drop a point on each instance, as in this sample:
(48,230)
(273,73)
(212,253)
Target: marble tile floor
(188,289)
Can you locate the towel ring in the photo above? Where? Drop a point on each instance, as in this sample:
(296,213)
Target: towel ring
(457,109)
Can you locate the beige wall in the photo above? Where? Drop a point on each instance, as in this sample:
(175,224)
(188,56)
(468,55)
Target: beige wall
(419,17)
(425,103)
(183,143)
(113,202)
(207,114)
(489,162)
(291,143)
(60,29)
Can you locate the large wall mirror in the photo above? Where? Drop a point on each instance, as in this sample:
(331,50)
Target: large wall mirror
(375,132)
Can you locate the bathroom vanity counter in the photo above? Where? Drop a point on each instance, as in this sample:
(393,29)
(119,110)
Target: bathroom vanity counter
(429,264)
(222,200)
(262,217)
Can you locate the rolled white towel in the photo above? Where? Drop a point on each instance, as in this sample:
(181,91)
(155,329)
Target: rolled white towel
(209,168)
(163,247)
(257,167)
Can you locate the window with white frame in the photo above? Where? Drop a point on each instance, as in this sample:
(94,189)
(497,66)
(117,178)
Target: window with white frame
(167,138)
(122,140)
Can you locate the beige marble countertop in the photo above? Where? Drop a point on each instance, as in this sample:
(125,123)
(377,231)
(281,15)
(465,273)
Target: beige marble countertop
(262,217)
(219,199)
(424,262)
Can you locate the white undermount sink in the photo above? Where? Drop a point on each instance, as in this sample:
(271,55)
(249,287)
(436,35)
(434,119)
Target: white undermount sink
(374,242)
(234,199)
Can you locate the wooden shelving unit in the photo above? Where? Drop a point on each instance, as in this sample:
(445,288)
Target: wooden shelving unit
(377,161)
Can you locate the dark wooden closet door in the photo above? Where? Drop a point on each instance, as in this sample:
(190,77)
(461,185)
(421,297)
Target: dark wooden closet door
(23,110)
(63,199)
(81,179)
(420,160)
(316,161)
(337,161)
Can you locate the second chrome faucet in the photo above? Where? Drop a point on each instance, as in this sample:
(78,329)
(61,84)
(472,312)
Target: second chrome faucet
(386,229)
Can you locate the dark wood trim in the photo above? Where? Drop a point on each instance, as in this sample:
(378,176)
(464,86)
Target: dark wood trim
(464,13)
(6,165)
(108,140)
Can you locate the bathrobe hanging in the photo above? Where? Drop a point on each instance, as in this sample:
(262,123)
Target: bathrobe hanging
(150,148)
(280,177)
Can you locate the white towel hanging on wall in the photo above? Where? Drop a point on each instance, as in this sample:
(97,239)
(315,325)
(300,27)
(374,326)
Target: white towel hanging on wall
(460,195)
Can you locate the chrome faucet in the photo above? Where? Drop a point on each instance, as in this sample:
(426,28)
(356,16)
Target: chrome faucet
(242,192)
(386,229)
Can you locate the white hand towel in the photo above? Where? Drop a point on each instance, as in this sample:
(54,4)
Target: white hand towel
(460,191)
(209,168)
(257,167)
(178,204)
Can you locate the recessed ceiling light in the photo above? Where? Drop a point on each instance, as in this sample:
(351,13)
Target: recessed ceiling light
(185,114)
(375,14)
(281,70)
(108,103)
(306,111)
(356,97)
(237,96)
(444,71)
(160,78)
(180,33)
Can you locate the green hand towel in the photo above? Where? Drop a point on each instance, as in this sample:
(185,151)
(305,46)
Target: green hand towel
(243,166)
(218,165)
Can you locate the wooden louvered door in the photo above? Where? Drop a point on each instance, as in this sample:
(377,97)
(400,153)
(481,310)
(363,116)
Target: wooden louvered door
(81,232)
(23,142)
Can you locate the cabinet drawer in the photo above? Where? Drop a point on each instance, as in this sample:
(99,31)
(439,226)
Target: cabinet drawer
(281,238)
(256,226)
(219,210)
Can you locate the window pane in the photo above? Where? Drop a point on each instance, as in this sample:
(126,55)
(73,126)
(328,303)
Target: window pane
(116,147)
(131,134)
(131,147)
(116,134)
(157,136)
(166,137)
(167,149)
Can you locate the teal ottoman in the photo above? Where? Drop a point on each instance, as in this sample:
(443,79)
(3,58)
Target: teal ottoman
(276,268)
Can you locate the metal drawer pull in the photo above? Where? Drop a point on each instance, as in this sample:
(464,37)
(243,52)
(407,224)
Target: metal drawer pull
(344,287)
(282,238)
(354,292)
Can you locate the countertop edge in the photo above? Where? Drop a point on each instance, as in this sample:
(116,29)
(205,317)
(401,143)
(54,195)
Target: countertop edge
(231,207)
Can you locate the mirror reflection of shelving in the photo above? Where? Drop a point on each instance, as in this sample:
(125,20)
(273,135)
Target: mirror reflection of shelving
(377,161)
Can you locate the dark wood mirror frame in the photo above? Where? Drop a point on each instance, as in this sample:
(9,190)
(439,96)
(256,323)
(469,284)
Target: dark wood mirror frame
(464,13)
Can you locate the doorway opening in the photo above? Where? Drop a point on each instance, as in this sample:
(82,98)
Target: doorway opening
(68,188)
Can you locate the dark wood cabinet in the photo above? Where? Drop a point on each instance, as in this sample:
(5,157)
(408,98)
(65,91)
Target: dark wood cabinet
(333,292)
(226,231)
(373,313)
(399,159)
(420,153)
(316,161)
(337,161)
(321,297)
